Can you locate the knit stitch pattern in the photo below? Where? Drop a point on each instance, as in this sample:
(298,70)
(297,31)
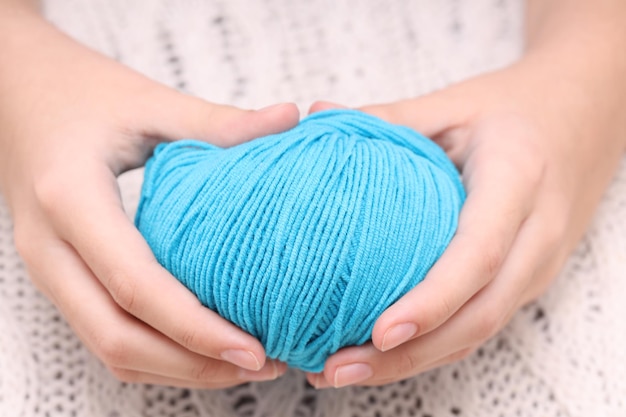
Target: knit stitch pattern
(303,238)
(563,355)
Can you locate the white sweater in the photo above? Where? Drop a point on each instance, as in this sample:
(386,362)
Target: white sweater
(564,355)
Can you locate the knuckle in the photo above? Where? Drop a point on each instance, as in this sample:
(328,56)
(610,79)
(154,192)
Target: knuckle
(49,191)
(539,286)
(22,239)
(123,290)
(525,159)
(206,371)
(407,363)
(113,351)
(190,339)
(487,325)
(444,309)
(531,167)
(492,259)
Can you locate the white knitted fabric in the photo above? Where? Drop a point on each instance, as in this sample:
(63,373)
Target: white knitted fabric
(561,356)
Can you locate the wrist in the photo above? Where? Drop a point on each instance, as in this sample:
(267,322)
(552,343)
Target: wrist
(584,81)
(574,48)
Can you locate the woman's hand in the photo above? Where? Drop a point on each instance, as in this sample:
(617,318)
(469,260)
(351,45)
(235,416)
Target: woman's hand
(537,145)
(70,122)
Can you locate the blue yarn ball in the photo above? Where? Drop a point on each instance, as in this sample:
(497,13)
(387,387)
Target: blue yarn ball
(302,238)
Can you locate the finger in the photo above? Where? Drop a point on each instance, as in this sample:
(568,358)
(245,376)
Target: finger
(181,116)
(93,221)
(499,200)
(440,116)
(126,345)
(147,378)
(324,105)
(432,114)
(477,321)
(552,232)
(538,286)
(271,371)
(169,115)
(447,360)
(135,377)
(319,381)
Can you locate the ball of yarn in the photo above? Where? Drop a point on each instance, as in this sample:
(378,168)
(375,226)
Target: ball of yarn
(303,238)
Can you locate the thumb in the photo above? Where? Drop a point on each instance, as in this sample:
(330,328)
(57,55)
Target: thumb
(442,116)
(431,114)
(187,117)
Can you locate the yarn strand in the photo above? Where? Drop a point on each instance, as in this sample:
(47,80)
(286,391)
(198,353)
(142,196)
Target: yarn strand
(303,238)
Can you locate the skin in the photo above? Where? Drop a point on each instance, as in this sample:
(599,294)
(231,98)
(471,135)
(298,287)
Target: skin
(537,144)
(72,120)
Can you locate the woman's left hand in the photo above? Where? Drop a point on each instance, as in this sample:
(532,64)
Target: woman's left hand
(536,145)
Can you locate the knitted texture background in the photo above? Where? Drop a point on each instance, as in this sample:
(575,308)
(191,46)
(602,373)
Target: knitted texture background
(564,355)
(302,238)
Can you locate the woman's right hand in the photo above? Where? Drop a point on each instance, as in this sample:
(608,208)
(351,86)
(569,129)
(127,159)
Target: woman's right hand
(72,120)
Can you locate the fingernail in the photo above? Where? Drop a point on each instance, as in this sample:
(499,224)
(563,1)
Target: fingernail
(270,371)
(397,335)
(242,358)
(352,374)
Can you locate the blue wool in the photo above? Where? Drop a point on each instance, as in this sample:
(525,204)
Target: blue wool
(302,238)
